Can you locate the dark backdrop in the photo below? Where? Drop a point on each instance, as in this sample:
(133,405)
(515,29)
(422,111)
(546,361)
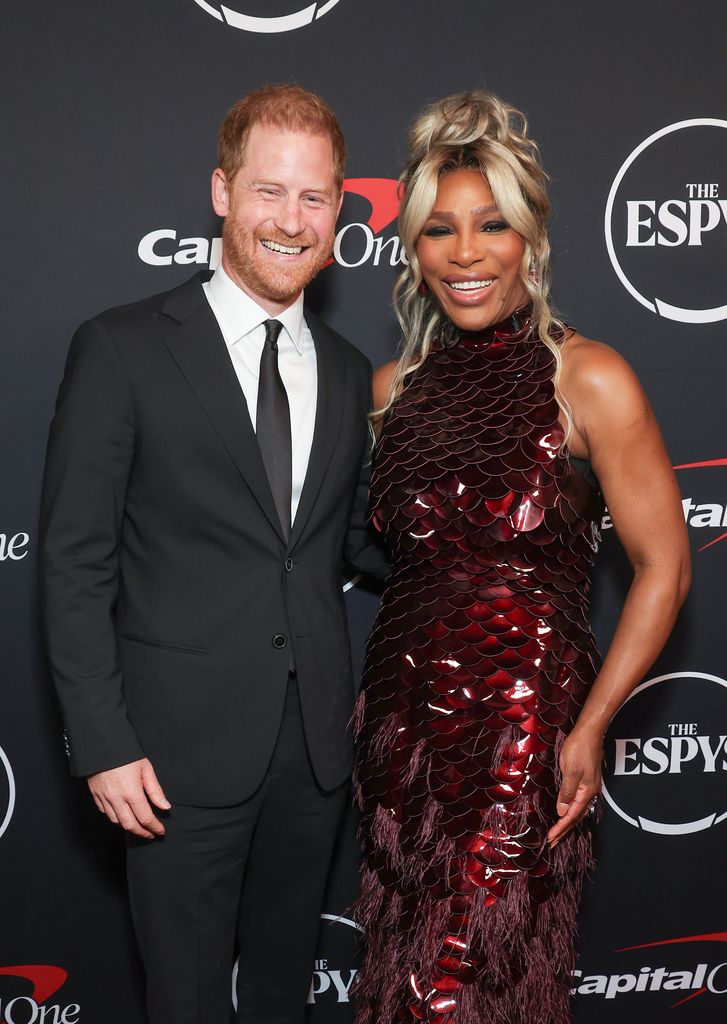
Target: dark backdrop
(108,127)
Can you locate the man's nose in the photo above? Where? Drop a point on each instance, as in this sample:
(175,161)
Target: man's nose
(290,217)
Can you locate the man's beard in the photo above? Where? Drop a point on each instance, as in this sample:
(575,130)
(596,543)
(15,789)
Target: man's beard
(251,268)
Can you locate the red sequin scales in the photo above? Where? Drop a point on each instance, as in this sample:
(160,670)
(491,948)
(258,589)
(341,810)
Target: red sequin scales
(478,663)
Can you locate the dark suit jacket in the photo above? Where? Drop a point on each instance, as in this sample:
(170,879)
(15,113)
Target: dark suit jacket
(166,576)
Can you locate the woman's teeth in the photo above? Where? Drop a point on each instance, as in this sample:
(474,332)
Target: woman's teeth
(469,286)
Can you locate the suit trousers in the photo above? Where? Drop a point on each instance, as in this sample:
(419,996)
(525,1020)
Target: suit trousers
(254,873)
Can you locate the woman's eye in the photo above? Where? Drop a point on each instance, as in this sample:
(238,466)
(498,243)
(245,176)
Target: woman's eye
(436,231)
(495,226)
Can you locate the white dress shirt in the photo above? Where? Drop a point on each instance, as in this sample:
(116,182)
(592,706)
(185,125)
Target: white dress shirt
(241,322)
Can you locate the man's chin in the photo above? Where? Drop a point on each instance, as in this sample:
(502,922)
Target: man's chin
(278,285)
(282,287)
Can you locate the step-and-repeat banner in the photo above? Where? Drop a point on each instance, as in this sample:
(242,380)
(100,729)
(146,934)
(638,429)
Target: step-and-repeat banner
(108,139)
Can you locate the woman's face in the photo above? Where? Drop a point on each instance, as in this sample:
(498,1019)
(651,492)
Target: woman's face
(469,255)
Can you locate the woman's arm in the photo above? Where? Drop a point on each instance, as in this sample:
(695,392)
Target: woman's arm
(615,428)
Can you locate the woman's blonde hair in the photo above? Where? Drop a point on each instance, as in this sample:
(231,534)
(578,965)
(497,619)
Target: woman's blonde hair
(472,130)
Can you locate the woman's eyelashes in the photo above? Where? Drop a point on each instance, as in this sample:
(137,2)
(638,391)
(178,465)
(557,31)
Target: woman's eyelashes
(437,231)
(495,225)
(443,230)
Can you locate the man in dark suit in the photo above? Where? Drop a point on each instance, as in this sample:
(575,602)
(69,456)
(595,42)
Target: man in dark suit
(205,484)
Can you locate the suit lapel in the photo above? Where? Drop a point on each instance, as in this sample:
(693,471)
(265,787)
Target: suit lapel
(330,402)
(199,350)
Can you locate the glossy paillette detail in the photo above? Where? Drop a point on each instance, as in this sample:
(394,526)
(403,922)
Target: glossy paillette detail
(479,661)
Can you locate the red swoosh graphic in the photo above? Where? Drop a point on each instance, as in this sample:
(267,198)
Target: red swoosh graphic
(701,465)
(45,978)
(707,937)
(699,992)
(715,541)
(382,193)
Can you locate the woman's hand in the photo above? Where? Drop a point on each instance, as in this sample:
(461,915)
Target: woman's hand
(580,764)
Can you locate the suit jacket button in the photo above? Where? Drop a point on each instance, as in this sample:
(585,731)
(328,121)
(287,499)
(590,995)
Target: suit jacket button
(279,641)
(288,564)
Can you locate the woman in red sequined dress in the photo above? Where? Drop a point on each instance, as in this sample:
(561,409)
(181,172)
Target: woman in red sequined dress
(481,719)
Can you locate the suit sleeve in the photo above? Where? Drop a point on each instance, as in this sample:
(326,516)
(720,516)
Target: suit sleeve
(365,551)
(90,454)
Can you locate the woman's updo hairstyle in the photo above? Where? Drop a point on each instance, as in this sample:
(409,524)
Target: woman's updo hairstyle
(472,130)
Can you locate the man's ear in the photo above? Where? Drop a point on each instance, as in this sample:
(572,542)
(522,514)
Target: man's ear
(220,192)
(340,202)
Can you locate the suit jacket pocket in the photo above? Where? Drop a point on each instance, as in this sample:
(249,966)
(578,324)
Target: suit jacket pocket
(150,642)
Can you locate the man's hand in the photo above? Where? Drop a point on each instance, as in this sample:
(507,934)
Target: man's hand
(125,795)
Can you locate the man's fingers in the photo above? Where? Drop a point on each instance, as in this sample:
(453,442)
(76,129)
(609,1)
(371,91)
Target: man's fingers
(121,793)
(107,808)
(152,788)
(130,823)
(146,818)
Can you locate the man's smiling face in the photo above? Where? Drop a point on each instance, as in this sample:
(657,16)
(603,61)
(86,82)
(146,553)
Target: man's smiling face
(280,213)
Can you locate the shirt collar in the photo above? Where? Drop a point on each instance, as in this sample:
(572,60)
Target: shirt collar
(240,314)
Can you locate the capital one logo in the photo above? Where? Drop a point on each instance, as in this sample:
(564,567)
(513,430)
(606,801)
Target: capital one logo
(288,14)
(363,237)
(666,222)
(7,792)
(21,1006)
(670,976)
(666,755)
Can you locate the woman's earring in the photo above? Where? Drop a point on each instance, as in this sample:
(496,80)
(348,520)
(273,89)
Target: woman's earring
(423,288)
(532,273)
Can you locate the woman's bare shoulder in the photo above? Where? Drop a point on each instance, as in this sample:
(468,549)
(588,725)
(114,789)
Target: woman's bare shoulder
(592,366)
(383,379)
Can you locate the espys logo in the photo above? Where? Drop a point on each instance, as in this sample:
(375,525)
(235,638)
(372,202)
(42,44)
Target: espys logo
(707,516)
(333,974)
(666,755)
(286,15)
(44,980)
(666,221)
(7,792)
(370,206)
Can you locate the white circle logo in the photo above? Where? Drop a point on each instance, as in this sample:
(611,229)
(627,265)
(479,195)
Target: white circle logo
(268,22)
(7,791)
(325,977)
(666,222)
(666,755)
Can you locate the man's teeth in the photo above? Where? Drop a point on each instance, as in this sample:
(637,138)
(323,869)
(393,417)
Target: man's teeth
(469,286)
(288,250)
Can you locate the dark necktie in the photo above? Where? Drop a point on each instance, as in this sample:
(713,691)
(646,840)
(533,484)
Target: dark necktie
(273,425)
